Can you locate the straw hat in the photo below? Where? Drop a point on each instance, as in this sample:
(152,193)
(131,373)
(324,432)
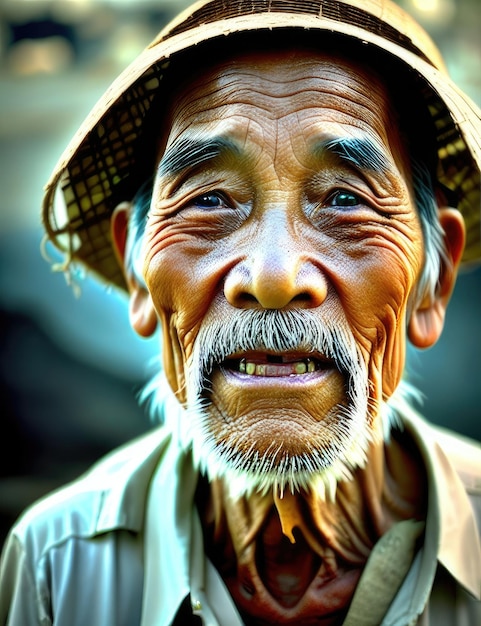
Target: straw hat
(100,167)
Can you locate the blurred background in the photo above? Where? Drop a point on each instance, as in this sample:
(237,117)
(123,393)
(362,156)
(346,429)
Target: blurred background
(70,367)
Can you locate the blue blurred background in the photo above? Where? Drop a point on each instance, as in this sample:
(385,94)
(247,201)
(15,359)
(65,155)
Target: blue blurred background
(70,367)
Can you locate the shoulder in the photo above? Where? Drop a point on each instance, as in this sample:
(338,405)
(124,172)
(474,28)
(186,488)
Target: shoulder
(464,455)
(453,465)
(445,451)
(81,538)
(109,496)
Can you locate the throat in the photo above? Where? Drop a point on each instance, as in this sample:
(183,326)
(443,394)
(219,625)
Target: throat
(278,565)
(286,567)
(296,558)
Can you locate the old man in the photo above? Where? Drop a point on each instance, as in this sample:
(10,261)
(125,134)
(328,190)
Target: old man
(287,189)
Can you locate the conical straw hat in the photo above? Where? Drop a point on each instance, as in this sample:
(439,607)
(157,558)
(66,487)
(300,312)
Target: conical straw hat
(101,165)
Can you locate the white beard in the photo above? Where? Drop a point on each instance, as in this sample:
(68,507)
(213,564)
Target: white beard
(345,434)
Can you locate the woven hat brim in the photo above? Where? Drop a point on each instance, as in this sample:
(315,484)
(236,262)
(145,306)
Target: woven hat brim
(95,171)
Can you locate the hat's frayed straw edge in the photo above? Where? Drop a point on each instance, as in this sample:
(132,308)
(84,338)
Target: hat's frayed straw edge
(74,273)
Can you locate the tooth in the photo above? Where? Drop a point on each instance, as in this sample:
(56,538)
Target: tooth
(301,368)
(269,369)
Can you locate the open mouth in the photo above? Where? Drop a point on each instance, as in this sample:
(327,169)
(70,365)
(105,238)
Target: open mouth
(275,365)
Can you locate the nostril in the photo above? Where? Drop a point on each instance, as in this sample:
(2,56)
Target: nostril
(304,296)
(245,299)
(237,292)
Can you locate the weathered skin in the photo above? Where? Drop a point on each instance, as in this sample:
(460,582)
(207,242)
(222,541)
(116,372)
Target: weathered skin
(278,235)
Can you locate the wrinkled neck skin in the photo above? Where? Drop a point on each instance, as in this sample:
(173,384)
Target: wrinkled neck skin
(295,558)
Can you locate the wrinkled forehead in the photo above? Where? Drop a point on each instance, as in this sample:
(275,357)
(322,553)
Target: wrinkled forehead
(264,76)
(302,89)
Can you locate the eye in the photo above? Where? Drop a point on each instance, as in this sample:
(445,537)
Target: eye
(344,199)
(207,201)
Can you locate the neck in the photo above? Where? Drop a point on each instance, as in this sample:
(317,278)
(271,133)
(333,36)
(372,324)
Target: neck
(290,558)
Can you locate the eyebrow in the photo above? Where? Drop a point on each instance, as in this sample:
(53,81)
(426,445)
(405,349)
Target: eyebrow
(190,152)
(363,153)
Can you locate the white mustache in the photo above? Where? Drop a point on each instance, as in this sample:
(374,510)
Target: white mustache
(269,330)
(343,437)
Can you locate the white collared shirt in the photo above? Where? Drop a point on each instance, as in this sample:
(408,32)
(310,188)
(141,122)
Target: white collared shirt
(122,545)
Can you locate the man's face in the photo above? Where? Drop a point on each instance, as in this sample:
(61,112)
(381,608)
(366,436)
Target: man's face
(281,250)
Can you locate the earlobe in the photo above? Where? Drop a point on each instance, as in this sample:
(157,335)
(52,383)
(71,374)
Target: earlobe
(427,319)
(142,314)
(426,325)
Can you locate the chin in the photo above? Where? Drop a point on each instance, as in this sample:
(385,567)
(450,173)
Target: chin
(248,464)
(277,400)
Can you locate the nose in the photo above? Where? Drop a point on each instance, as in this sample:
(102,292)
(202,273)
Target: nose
(277,273)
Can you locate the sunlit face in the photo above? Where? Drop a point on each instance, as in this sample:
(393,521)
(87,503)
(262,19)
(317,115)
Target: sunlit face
(280,252)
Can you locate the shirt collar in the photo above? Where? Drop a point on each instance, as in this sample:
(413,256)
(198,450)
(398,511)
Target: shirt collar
(168,535)
(451,530)
(122,480)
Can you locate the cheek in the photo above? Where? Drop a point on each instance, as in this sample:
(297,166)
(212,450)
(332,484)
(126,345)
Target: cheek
(376,298)
(166,263)
(179,275)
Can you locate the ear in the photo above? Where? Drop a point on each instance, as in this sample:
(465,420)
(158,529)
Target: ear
(427,319)
(142,314)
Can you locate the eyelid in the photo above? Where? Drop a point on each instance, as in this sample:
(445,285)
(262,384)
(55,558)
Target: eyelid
(219,194)
(361,198)
(228,203)
(363,202)
(340,191)
(321,204)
